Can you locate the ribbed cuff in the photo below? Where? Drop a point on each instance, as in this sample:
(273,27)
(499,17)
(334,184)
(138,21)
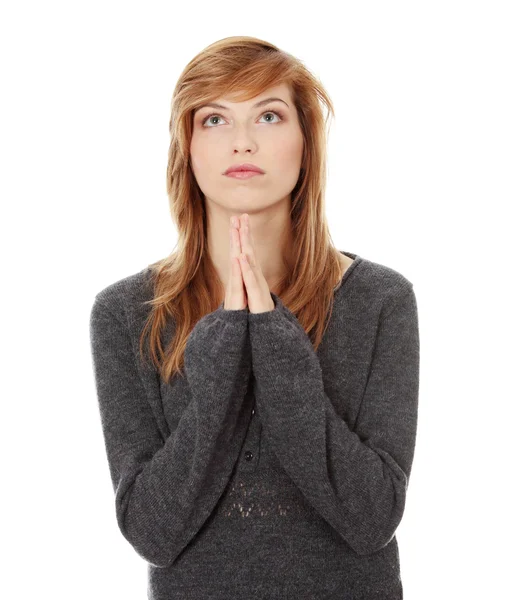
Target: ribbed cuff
(231,315)
(279,330)
(279,312)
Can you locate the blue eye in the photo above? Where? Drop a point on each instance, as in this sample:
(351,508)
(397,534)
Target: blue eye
(274,112)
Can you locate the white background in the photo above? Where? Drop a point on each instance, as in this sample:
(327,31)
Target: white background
(424,176)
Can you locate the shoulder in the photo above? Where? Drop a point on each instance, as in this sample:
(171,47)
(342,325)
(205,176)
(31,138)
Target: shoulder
(383,275)
(126,294)
(380,285)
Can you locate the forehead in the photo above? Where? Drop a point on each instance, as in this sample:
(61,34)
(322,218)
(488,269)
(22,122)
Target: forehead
(280,93)
(281,90)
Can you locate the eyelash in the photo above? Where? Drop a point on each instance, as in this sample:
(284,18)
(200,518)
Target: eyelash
(218,115)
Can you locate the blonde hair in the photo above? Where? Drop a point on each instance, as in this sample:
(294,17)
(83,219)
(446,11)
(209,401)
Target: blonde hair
(186,283)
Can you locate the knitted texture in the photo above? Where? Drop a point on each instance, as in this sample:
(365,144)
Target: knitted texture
(266,470)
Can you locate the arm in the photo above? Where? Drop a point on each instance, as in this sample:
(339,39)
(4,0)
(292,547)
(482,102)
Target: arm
(164,491)
(356,479)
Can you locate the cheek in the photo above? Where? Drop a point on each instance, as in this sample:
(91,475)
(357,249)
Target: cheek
(287,156)
(287,150)
(200,154)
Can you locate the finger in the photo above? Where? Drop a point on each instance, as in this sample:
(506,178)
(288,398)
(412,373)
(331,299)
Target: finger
(250,281)
(236,274)
(235,242)
(236,281)
(247,244)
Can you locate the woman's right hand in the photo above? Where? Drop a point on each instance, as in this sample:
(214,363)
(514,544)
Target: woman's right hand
(236,297)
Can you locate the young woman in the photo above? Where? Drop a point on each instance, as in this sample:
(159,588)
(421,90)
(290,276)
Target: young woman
(258,389)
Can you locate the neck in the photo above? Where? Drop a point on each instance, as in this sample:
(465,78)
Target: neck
(270,230)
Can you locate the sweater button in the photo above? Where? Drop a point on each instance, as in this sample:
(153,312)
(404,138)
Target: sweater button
(248,455)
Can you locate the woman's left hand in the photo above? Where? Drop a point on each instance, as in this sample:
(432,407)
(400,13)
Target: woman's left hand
(257,289)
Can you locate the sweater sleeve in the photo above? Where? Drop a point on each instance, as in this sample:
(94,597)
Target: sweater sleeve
(165,490)
(356,479)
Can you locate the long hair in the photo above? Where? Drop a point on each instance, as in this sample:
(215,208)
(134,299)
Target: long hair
(186,283)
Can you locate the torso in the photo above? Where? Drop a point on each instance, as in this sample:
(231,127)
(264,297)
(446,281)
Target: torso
(345,261)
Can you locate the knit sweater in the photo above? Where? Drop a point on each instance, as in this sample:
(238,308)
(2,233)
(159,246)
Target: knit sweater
(266,470)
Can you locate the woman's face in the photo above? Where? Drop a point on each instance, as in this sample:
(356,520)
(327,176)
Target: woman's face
(268,136)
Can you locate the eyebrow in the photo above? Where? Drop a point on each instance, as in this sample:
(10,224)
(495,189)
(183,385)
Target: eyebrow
(261,103)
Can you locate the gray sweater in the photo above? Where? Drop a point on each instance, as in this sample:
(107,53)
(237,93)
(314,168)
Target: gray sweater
(268,471)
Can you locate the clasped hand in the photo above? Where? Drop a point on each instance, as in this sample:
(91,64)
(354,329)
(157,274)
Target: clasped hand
(247,286)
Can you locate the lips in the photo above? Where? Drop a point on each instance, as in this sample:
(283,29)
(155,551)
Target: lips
(242,174)
(243,167)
